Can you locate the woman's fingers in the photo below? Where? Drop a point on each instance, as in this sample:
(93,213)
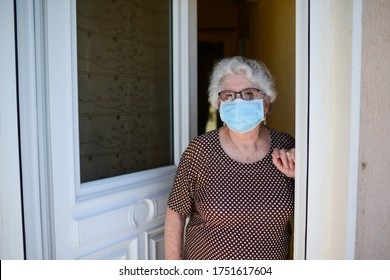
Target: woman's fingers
(284,160)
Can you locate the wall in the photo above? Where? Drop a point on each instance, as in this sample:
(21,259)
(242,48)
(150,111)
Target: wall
(272,40)
(214,28)
(275,46)
(373,210)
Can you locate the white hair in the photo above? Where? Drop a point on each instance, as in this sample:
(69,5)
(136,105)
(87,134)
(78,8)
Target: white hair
(256,71)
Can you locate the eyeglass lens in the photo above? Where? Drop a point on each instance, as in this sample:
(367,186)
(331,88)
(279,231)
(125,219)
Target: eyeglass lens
(246,94)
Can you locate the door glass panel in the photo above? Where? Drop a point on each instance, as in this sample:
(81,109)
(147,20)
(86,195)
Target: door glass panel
(124,86)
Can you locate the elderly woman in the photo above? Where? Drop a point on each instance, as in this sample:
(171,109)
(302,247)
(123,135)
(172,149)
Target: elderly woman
(235,183)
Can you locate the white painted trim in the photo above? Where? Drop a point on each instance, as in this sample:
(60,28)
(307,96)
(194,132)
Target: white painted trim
(43,126)
(354,129)
(333,128)
(319,128)
(184,32)
(124,182)
(193,67)
(79,188)
(11,225)
(301,127)
(176,81)
(60,119)
(29,130)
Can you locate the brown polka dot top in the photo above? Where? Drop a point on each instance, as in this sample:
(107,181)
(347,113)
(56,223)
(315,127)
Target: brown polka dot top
(237,210)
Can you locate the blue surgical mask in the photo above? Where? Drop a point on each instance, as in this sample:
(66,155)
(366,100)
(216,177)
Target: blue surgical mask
(242,115)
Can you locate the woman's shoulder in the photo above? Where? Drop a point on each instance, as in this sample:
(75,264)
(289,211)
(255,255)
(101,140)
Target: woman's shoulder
(282,139)
(208,136)
(204,141)
(278,133)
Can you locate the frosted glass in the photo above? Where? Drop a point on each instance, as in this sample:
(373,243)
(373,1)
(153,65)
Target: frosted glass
(124,86)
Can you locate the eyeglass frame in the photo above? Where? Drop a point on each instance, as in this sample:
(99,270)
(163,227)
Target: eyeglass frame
(264,97)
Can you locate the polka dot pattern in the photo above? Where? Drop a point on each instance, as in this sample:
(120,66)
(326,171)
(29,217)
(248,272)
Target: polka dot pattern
(238,210)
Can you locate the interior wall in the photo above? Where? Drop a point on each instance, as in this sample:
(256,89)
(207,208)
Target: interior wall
(262,29)
(217,38)
(213,27)
(274,44)
(373,213)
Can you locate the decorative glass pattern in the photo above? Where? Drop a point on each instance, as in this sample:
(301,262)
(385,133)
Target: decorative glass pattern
(124,86)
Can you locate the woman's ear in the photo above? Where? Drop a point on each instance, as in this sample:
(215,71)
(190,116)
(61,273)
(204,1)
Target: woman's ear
(267,106)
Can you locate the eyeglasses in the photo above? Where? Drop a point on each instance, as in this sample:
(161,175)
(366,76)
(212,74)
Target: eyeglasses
(246,94)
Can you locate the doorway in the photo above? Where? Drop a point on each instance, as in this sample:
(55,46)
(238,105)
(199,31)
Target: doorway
(258,29)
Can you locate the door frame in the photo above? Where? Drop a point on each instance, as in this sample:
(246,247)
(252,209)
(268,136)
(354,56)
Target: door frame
(301,126)
(327,127)
(11,217)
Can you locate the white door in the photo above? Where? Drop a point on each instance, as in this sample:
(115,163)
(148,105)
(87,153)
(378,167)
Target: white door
(110,87)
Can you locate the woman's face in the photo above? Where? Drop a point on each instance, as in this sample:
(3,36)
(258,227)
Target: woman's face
(237,83)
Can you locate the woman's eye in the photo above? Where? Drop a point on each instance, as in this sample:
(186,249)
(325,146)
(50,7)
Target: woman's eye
(229,95)
(248,96)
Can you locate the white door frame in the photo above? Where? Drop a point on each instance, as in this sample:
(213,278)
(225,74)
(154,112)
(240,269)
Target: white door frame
(34,143)
(301,126)
(327,119)
(11,223)
(185,86)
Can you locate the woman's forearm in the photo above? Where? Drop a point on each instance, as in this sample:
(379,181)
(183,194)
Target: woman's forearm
(174,226)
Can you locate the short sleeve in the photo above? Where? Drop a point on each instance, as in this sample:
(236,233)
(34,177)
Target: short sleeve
(181,197)
(283,140)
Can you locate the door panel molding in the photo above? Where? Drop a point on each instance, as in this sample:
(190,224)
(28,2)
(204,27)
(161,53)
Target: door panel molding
(121,251)
(125,182)
(156,244)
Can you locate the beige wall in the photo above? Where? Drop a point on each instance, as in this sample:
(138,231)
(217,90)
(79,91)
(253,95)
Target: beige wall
(373,213)
(275,46)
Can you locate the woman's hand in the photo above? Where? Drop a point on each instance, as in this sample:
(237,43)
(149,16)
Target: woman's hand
(284,161)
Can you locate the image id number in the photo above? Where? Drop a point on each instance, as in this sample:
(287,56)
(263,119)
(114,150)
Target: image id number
(250,270)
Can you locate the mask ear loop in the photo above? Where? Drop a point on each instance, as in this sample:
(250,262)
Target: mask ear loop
(270,107)
(265,118)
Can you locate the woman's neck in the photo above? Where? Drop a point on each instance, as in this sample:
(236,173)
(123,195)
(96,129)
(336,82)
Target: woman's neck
(250,137)
(246,147)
